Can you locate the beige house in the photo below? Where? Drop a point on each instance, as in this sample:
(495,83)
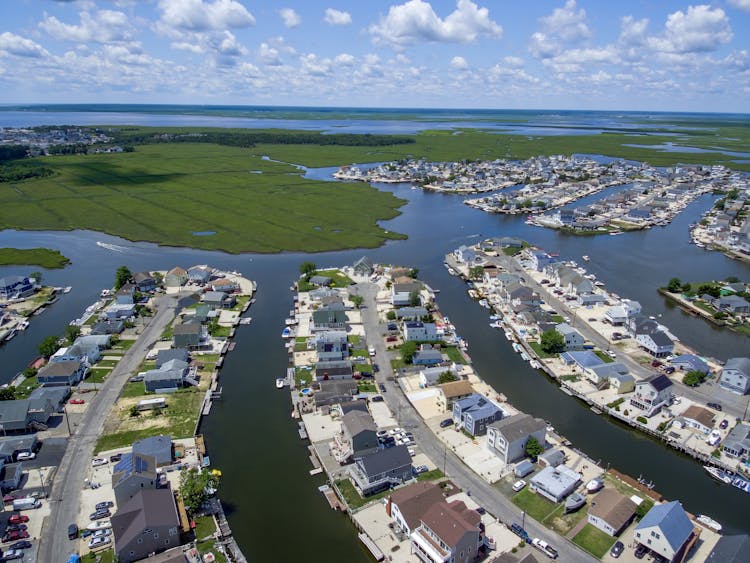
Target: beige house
(453,391)
(611,512)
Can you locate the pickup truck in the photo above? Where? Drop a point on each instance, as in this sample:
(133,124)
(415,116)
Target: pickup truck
(544,547)
(520,532)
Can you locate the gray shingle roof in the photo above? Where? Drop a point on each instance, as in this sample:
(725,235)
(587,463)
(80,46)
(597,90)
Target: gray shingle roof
(386,460)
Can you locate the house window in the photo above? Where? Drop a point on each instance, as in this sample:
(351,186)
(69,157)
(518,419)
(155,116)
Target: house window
(140,540)
(156,535)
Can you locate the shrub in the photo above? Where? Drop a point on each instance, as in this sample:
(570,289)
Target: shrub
(642,420)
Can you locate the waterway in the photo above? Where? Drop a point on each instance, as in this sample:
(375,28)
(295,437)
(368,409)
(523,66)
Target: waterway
(273,505)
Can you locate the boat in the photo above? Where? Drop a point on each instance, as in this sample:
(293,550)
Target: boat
(594,485)
(535,365)
(280,382)
(509,335)
(585,257)
(67,289)
(574,502)
(99,525)
(517,347)
(709,522)
(286,333)
(524,356)
(105,293)
(717,474)
(496,324)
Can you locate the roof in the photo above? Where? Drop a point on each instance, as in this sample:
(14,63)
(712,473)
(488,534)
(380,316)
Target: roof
(699,414)
(63,368)
(612,507)
(357,421)
(187,328)
(160,447)
(553,457)
(177,271)
(456,388)
(14,411)
(140,277)
(671,519)
(385,460)
(731,549)
(518,426)
(134,464)
(739,435)
(658,381)
(660,338)
(414,500)
(149,508)
(740,364)
(556,480)
(611,369)
(56,394)
(450,522)
(163,356)
(215,296)
(585,358)
(692,361)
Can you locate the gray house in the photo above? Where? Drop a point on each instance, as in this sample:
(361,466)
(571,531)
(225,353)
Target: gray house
(332,345)
(169,377)
(735,376)
(573,339)
(147,523)
(737,443)
(507,438)
(382,469)
(219,299)
(338,369)
(187,335)
(14,415)
(360,432)
(328,319)
(132,474)
(159,447)
(363,266)
(66,372)
(163,356)
(10,476)
(474,413)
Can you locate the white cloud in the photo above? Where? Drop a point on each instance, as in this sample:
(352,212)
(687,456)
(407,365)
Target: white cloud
(104,26)
(416,21)
(633,31)
(344,59)
(459,63)
(337,17)
(513,62)
(290,17)
(201,15)
(542,46)
(269,55)
(701,29)
(568,23)
(13,44)
(741,4)
(311,64)
(187,46)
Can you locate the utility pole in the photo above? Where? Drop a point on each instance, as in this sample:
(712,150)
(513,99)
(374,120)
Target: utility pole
(67,422)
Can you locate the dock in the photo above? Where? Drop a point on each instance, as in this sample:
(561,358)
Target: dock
(331,497)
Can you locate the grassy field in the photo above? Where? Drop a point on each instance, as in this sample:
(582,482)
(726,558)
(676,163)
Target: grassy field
(593,540)
(43,257)
(534,505)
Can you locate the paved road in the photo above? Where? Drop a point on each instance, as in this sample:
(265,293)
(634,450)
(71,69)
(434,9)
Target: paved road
(483,493)
(65,495)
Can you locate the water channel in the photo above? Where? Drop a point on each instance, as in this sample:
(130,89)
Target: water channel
(274,508)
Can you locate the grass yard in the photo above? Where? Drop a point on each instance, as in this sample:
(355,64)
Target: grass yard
(353,339)
(303,377)
(210,547)
(534,505)
(593,540)
(454,354)
(25,388)
(133,389)
(353,498)
(432,475)
(604,357)
(204,527)
(97,375)
(106,556)
(366,387)
(537,347)
(562,523)
(43,257)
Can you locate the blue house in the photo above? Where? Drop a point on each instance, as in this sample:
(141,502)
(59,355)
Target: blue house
(16,286)
(665,530)
(474,413)
(690,362)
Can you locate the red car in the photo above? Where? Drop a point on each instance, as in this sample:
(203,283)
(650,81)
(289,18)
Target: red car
(77,401)
(15,536)
(17,518)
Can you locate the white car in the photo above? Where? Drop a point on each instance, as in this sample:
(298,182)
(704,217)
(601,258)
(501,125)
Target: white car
(518,485)
(100,541)
(97,461)
(25,455)
(371,350)
(102,533)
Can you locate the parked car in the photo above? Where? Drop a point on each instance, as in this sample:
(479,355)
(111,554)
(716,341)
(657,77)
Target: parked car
(375,368)
(101,541)
(371,350)
(23,544)
(102,533)
(723,424)
(381,387)
(97,461)
(446,423)
(99,514)
(12,554)
(715,406)
(25,456)
(640,551)
(15,527)
(518,485)
(76,401)
(72,531)
(617,549)
(376,398)
(391,339)
(545,548)
(420,469)
(520,532)
(18,519)
(15,536)
(115,458)
(104,505)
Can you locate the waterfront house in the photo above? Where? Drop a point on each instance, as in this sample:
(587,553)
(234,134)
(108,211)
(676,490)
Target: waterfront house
(320,281)
(359,432)
(132,474)
(601,373)
(14,415)
(467,255)
(115,311)
(332,345)
(107,327)
(224,285)
(430,376)
(418,331)
(381,469)
(176,277)
(147,523)
(690,362)
(407,505)
(15,287)
(538,259)
(732,304)
(328,319)
(735,375)
(611,512)
(199,274)
(363,267)
(219,299)
(335,392)
(651,394)
(144,282)
(507,438)
(125,294)
(334,369)
(56,395)
(474,413)
(651,337)
(589,299)
(427,356)
(411,313)
(555,483)
(573,339)
(65,372)
(551,458)
(621,314)
(163,356)
(402,293)
(699,418)
(167,379)
(448,393)
(159,447)
(584,359)
(665,530)
(737,442)
(448,532)
(188,335)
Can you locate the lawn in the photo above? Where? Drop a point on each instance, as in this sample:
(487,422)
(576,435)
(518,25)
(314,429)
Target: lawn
(534,505)
(133,389)
(431,475)
(353,498)
(204,527)
(537,347)
(97,375)
(106,556)
(594,541)
(210,547)
(454,354)
(43,257)
(303,377)
(25,388)
(366,387)
(353,339)
(604,357)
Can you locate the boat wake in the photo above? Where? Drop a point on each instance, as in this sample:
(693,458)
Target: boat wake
(113,247)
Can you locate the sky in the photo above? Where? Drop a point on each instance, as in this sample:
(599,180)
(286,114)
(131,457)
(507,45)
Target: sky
(656,55)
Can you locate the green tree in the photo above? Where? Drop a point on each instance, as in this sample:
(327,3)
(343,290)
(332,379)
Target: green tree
(37,276)
(357,300)
(307,268)
(552,342)
(476,272)
(414,299)
(7,393)
(693,378)
(391,315)
(49,346)
(413,273)
(158,278)
(674,285)
(122,276)
(709,289)
(72,332)
(732,279)
(195,487)
(685,287)
(408,350)
(533,448)
(447,377)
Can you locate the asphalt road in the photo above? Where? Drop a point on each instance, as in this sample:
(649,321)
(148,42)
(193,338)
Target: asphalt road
(482,492)
(66,489)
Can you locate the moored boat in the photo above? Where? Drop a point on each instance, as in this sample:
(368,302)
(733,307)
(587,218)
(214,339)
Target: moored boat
(709,522)
(280,382)
(574,502)
(594,485)
(717,474)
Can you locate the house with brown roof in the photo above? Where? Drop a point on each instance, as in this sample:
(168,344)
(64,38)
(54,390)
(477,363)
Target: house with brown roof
(452,391)
(611,512)
(448,532)
(408,504)
(699,418)
(176,277)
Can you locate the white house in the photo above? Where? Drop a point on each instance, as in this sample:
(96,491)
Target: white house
(611,512)
(699,418)
(420,332)
(651,394)
(656,343)
(573,339)
(665,530)
(555,483)
(620,314)
(735,376)
(506,438)
(430,376)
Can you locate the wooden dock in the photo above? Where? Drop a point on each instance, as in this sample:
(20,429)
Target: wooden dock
(331,497)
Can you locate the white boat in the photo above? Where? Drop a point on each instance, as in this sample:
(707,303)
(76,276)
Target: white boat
(496,324)
(535,365)
(585,257)
(574,502)
(509,335)
(105,293)
(718,474)
(99,525)
(709,522)
(280,382)
(594,485)
(67,289)
(286,333)
(517,347)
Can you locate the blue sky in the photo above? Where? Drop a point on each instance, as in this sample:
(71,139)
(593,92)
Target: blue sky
(574,54)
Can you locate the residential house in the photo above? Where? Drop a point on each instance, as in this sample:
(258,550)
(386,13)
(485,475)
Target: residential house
(147,523)
(430,376)
(144,281)
(224,285)
(411,313)
(555,483)
(651,394)
(407,505)
(335,392)
(125,294)
(14,415)
(188,335)
(690,362)
(418,331)
(585,359)
(737,442)
(10,476)
(475,412)
(56,395)
(732,304)
(538,259)
(735,375)
(360,432)
(64,372)
(656,343)
(11,446)
(381,469)
(164,356)
(159,447)
(132,474)
(427,356)
(604,373)
(402,293)
(219,299)
(507,438)
(199,274)
(621,314)
(573,339)
(552,458)
(449,532)
(611,512)
(665,530)
(117,310)
(466,255)
(448,393)
(167,379)
(332,345)
(320,281)
(107,327)
(176,277)
(334,369)
(363,267)
(14,287)
(590,299)
(699,418)
(328,319)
